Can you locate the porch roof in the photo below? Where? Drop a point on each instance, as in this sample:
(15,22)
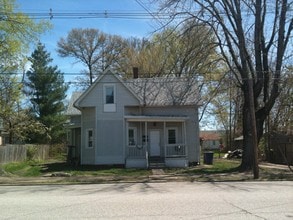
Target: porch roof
(148,118)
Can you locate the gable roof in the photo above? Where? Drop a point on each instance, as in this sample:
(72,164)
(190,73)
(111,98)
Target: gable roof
(211,135)
(90,88)
(165,91)
(71,110)
(157,91)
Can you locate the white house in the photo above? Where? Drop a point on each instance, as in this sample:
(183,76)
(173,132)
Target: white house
(135,123)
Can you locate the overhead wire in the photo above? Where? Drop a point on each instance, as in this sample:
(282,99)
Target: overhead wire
(111,14)
(94,14)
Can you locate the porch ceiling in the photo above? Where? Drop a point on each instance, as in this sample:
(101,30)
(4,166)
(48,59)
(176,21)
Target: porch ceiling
(145,118)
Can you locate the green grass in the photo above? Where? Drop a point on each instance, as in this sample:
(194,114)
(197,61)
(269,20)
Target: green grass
(220,170)
(24,169)
(218,166)
(34,168)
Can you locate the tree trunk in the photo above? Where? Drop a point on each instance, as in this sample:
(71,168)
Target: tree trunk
(250,154)
(247,160)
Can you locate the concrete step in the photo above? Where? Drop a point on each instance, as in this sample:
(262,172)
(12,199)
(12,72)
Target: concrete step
(156,165)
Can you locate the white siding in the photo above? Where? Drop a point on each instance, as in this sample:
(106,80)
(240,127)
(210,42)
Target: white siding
(109,127)
(88,122)
(110,134)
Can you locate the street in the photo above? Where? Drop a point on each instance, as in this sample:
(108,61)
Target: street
(170,200)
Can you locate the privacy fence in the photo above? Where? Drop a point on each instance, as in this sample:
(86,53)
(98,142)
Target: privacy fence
(15,153)
(281,149)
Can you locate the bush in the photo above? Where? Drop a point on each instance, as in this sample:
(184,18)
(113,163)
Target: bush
(58,151)
(31,152)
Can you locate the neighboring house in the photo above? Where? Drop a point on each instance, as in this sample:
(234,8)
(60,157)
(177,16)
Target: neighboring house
(211,139)
(135,122)
(74,128)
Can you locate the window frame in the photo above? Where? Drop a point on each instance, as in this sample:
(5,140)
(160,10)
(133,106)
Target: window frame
(176,135)
(106,86)
(89,139)
(109,107)
(134,136)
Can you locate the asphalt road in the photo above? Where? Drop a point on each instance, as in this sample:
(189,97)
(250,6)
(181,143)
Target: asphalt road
(171,200)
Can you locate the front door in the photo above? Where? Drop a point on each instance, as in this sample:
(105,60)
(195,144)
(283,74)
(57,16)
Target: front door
(154,143)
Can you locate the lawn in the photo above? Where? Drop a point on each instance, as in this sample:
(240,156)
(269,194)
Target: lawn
(220,170)
(35,168)
(218,166)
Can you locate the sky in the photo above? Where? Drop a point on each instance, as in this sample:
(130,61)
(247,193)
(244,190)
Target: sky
(124,26)
(137,26)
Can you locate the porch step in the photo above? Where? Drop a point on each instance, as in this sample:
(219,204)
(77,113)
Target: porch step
(156,165)
(156,162)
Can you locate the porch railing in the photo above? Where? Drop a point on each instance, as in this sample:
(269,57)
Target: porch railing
(171,150)
(136,151)
(175,150)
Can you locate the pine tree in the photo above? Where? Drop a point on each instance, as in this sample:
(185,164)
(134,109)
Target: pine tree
(47,91)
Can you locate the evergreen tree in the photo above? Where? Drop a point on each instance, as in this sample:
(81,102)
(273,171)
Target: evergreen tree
(46,90)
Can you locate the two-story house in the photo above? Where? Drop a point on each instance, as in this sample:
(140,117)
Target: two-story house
(137,121)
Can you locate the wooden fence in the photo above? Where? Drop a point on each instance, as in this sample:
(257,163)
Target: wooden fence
(281,149)
(16,153)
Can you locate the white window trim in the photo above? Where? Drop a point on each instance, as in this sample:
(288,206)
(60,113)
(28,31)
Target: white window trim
(104,92)
(87,138)
(112,106)
(135,135)
(176,134)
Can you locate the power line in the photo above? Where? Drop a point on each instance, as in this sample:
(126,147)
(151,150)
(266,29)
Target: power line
(93,14)
(104,14)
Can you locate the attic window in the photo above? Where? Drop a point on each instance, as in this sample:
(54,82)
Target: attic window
(109,93)
(109,98)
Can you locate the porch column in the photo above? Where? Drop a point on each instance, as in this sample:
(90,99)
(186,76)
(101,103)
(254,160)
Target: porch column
(146,143)
(146,134)
(127,138)
(165,138)
(185,137)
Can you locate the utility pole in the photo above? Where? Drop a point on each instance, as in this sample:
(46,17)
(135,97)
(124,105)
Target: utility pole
(230,111)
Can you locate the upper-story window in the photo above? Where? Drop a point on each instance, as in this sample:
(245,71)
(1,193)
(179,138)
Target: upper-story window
(109,92)
(109,98)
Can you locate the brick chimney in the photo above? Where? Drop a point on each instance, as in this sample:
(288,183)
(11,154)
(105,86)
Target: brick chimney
(135,72)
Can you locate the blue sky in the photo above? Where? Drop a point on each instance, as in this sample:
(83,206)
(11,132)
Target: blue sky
(123,27)
(61,27)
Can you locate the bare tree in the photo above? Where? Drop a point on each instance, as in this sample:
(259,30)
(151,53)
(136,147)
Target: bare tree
(281,116)
(253,36)
(86,46)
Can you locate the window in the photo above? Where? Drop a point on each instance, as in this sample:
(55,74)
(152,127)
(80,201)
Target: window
(109,98)
(90,138)
(172,139)
(109,94)
(132,136)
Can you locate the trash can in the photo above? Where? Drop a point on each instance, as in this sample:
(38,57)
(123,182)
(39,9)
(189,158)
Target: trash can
(208,157)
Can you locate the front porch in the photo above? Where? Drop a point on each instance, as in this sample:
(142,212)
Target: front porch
(149,137)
